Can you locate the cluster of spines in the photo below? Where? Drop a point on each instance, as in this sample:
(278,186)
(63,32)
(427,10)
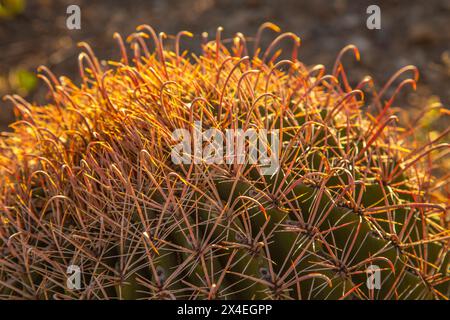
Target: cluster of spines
(88,180)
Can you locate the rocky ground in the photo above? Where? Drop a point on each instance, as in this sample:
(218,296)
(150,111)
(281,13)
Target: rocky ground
(412,32)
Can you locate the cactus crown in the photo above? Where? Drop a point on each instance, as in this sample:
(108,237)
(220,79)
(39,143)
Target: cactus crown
(88,180)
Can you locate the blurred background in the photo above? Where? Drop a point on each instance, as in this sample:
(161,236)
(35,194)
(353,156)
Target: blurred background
(34,32)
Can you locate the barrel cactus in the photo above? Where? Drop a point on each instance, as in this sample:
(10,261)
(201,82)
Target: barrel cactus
(355,208)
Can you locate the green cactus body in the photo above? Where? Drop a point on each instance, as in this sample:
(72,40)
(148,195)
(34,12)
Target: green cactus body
(89,180)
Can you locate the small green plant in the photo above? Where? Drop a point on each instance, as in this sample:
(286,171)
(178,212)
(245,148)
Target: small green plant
(88,180)
(11,8)
(22,81)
